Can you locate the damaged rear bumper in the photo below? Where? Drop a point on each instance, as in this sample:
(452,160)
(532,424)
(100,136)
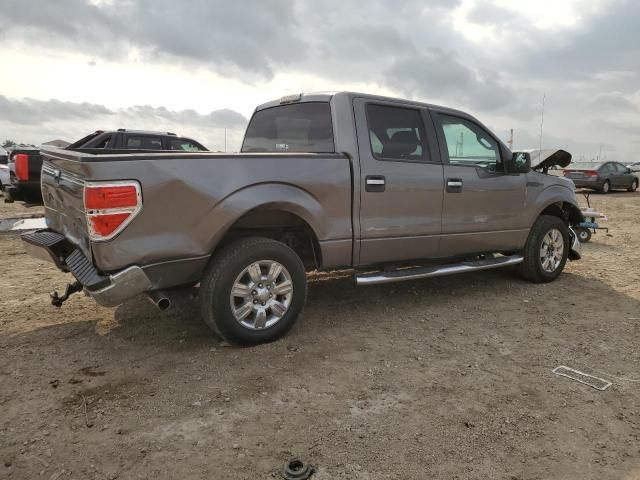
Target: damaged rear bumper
(108,290)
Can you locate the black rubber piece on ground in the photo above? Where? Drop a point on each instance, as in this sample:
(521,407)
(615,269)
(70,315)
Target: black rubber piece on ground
(531,268)
(296,469)
(218,279)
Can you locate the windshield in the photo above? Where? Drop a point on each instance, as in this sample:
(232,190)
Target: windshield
(301,127)
(584,166)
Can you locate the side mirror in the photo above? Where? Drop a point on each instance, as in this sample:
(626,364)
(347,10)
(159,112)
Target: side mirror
(521,162)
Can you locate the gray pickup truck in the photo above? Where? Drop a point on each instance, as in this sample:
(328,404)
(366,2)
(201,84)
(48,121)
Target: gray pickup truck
(393,189)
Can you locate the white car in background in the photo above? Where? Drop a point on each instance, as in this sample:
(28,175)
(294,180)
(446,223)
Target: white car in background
(4,169)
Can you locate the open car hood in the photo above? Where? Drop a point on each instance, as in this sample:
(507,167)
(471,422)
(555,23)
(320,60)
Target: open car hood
(547,158)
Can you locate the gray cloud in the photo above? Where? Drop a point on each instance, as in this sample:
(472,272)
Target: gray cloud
(245,35)
(484,12)
(43,120)
(37,112)
(410,47)
(439,74)
(613,101)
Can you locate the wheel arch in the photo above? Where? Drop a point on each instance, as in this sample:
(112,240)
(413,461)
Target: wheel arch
(292,216)
(568,212)
(559,201)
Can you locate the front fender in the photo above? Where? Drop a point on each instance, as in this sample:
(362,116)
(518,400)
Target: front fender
(555,196)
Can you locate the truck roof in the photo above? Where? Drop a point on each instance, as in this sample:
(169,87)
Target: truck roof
(327,96)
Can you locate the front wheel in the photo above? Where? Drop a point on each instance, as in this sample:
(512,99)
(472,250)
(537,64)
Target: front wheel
(253,291)
(546,251)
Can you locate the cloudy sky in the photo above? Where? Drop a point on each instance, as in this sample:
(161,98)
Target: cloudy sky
(200,66)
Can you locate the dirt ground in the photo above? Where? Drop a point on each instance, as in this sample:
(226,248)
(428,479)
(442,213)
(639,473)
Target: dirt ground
(443,378)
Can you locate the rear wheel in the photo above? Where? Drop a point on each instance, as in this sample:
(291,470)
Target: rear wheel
(634,186)
(253,291)
(546,251)
(606,187)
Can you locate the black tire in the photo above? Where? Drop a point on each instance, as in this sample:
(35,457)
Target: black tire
(606,187)
(531,268)
(584,234)
(634,186)
(220,276)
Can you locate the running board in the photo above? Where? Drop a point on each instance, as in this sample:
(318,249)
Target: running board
(438,271)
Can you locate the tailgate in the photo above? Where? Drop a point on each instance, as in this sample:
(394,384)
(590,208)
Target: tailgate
(62,194)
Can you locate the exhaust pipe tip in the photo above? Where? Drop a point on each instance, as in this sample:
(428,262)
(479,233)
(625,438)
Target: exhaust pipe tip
(164,303)
(160,300)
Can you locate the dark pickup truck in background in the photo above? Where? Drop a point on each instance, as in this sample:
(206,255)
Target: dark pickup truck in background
(393,189)
(25,162)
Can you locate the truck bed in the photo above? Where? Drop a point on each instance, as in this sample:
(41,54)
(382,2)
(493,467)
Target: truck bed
(189,201)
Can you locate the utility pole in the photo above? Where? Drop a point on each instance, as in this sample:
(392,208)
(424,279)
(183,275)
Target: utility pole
(542,122)
(599,154)
(510,142)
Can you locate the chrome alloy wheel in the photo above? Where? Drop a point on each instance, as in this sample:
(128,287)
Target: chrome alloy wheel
(552,250)
(261,294)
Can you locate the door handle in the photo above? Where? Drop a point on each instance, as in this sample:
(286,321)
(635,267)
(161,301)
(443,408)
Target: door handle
(454,185)
(375,183)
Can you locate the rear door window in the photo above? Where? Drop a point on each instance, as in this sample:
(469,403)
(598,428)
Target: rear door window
(300,127)
(396,133)
(144,142)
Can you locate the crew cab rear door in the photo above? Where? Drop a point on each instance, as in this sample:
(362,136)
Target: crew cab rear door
(483,206)
(401,182)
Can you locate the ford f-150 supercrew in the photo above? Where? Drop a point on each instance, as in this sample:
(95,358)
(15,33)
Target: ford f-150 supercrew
(392,189)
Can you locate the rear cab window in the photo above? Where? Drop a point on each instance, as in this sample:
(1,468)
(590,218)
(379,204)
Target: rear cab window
(297,128)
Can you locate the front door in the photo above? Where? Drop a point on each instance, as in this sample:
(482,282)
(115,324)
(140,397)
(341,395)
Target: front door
(622,179)
(400,183)
(483,206)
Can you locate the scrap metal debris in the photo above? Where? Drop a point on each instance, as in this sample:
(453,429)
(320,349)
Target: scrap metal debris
(595,382)
(21,224)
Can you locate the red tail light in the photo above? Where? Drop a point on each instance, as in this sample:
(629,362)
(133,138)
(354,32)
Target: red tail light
(99,198)
(110,207)
(566,173)
(591,173)
(22,166)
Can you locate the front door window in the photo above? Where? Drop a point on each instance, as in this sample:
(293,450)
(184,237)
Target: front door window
(469,144)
